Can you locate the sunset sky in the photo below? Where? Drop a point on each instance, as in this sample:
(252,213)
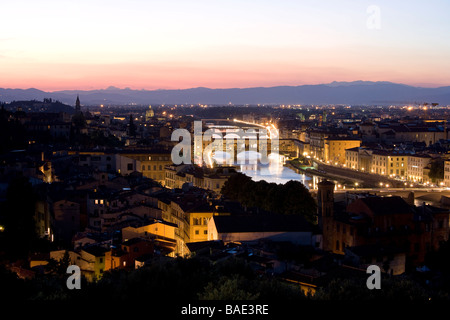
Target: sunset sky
(56,45)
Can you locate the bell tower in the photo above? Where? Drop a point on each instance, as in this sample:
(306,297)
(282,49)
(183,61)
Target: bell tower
(77,104)
(325,211)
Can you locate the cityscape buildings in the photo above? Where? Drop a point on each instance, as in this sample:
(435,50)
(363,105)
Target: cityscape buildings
(175,153)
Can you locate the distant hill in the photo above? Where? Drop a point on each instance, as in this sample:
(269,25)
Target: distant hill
(46,105)
(351,93)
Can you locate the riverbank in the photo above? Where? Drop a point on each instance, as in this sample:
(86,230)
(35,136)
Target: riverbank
(341,179)
(348,177)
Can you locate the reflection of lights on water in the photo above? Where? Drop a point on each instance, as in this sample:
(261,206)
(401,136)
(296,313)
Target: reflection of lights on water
(277,173)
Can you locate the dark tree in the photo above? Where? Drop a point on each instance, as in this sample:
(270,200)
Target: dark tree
(355,289)
(12,132)
(18,216)
(436,170)
(290,198)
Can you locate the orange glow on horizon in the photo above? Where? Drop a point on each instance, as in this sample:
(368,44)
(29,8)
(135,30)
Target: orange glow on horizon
(152,77)
(86,45)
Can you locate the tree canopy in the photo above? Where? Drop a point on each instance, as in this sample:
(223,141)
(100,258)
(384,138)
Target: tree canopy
(436,170)
(19,235)
(289,198)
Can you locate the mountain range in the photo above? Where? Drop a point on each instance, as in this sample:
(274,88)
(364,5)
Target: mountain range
(347,93)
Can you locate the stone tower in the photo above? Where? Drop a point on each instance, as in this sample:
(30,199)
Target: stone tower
(325,204)
(77,104)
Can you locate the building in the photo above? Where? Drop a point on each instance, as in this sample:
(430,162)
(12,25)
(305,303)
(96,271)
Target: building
(334,149)
(386,163)
(211,179)
(67,218)
(253,228)
(93,258)
(380,162)
(90,259)
(289,148)
(43,219)
(390,259)
(368,131)
(352,158)
(125,255)
(386,221)
(175,177)
(429,134)
(190,213)
(447,173)
(397,165)
(325,210)
(151,163)
(156,229)
(416,165)
(101,161)
(149,114)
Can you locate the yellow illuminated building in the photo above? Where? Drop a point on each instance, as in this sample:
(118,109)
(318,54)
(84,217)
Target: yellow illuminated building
(398,165)
(191,218)
(151,163)
(380,162)
(334,149)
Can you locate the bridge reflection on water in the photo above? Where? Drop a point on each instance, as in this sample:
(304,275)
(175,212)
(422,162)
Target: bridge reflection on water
(275,171)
